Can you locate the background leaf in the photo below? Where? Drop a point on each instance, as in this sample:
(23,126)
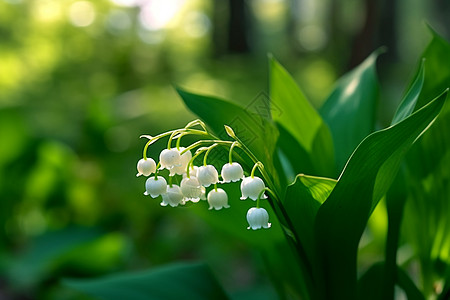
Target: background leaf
(342,218)
(176,281)
(256,132)
(300,120)
(350,110)
(409,101)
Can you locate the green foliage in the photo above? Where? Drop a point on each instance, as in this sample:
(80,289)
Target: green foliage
(177,281)
(326,218)
(350,109)
(65,163)
(297,116)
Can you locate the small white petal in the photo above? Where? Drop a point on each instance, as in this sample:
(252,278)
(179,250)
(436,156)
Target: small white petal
(207,175)
(173,196)
(232,172)
(252,187)
(218,199)
(169,158)
(146,167)
(155,186)
(191,189)
(258,218)
(184,160)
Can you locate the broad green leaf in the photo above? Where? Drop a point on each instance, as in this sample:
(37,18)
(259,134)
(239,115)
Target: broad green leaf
(409,101)
(319,187)
(342,218)
(300,119)
(256,132)
(297,160)
(437,76)
(176,281)
(350,110)
(426,225)
(302,201)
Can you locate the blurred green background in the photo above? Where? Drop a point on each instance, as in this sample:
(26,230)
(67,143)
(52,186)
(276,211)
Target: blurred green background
(80,81)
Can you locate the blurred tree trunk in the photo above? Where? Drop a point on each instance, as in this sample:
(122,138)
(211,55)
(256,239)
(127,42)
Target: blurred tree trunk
(379,30)
(231,27)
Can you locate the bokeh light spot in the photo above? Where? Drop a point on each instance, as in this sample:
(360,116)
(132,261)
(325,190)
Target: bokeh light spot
(82,13)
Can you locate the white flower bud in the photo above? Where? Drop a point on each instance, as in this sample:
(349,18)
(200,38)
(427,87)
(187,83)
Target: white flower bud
(146,167)
(169,158)
(173,196)
(207,175)
(232,172)
(258,218)
(191,189)
(252,187)
(217,199)
(155,186)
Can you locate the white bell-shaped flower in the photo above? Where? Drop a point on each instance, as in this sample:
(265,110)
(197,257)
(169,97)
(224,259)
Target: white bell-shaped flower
(203,195)
(252,187)
(258,218)
(184,160)
(146,167)
(191,189)
(155,186)
(232,172)
(169,159)
(207,175)
(173,196)
(217,199)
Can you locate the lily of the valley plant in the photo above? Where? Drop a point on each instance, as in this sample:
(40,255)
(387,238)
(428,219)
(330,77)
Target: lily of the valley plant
(189,182)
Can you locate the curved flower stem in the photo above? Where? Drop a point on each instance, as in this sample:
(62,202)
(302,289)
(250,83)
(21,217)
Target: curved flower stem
(261,193)
(184,130)
(230,155)
(207,152)
(200,142)
(259,165)
(157,170)
(200,151)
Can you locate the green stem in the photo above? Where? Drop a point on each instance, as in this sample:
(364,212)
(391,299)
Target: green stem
(200,142)
(157,170)
(207,152)
(230,155)
(191,162)
(179,140)
(215,187)
(187,130)
(257,164)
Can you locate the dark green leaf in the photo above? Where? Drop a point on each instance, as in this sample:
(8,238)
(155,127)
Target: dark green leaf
(370,285)
(409,101)
(302,201)
(368,174)
(177,281)
(46,252)
(350,109)
(300,119)
(437,76)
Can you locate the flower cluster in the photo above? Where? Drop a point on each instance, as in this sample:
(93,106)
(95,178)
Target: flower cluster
(187,182)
